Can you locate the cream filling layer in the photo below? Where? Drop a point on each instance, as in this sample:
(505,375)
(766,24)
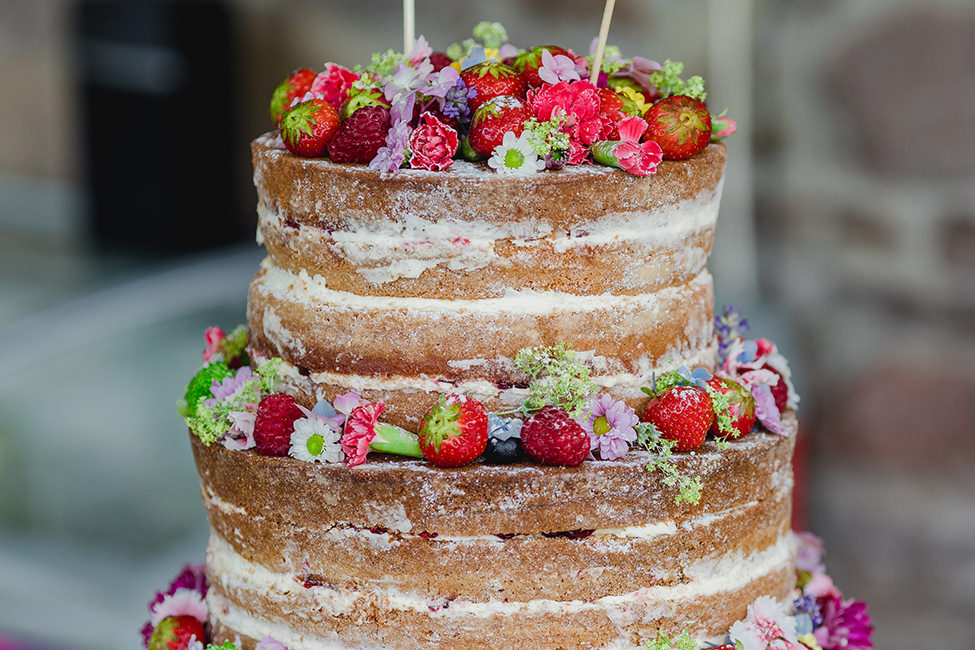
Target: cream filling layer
(303,288)
(708,577)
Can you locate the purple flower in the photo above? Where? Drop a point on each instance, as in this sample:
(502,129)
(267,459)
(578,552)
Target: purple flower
(806,604)
(700,377)
(229,386)
(846,625)
(610,427)
(730,326)
(455,101)
(393,155)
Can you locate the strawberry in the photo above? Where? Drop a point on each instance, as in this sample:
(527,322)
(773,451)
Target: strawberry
(454,431)
(552,437)
(681,125)
(615,109)
(295,86)
(683,414)
(274,424)
(492,79)
(175,632)
(528,63)
(306,128)
(741,407)
(495,118)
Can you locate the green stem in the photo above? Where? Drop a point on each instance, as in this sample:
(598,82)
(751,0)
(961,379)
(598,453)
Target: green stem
(394,440)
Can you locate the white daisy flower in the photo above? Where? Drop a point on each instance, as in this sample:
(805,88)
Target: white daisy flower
(314,440)
(515,156)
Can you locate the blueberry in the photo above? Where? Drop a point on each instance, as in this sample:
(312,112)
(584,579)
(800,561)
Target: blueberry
(503,451)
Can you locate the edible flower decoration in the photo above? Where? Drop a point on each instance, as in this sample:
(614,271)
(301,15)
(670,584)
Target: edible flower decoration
(768,626)
(184,597)
(315,439)
(628,153)
(433,144)
(364,433)
(559,67)
(610,425)
(515,155)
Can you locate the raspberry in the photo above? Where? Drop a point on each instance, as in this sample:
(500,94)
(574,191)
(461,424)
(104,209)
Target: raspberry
(275,422)
(552,437)
(439,60)
(359,137)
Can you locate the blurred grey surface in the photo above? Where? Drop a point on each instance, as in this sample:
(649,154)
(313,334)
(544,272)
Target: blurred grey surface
(847,233)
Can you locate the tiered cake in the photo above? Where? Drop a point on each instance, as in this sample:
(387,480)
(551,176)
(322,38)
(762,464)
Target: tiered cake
(402,287)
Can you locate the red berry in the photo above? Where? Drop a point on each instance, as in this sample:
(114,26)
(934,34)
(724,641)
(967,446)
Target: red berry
(360,137)
(741,407)
(683,414)
(495,118)
(175,632)
(454,431)
(274,424)
(294,87)
(681,125)
(440,61)
(492,79)
(528,63)
(614,108)
(552,437)
(780,390)
(306,128)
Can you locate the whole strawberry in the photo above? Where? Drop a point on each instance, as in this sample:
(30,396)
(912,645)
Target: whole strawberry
(295,86)
(492,79)
(552,437)
(528,63)
(681,125)
(454,431)
(306,128)
(176,632)
(360,137)
(495,118)
(741,407)
(274,424)
(683,414)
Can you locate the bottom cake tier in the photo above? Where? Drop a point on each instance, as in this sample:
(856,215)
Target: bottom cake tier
(395,554)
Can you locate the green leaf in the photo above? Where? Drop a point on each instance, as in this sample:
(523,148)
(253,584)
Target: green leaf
(662,460)
(668,81)
(557,377)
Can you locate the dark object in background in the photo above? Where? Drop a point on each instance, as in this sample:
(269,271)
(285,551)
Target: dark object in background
(157,97)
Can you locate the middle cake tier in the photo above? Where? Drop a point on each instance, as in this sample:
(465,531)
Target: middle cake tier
(406,351)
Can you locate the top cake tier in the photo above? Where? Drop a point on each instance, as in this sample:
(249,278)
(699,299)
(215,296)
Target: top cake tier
(404,286)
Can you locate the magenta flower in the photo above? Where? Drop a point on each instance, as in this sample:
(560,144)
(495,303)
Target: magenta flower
(333,84)
(364,433)
(610,425)
(191,578)
(846,625)
(214,337)
(767,626)
(558,68)
(628,153)
(433,144)
(392,156)
(578,102)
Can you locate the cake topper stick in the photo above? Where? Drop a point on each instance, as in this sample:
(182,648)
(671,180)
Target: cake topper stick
(409,22)
(597,59)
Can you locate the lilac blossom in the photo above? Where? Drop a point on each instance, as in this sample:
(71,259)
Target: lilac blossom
(559,68)
(229,386)
(610,425)
(456,101)
(402,88)
(392,156)
(806,604)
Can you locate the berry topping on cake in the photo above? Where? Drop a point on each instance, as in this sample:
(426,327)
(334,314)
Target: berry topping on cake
(683,414)
(333,84)
(494,118)
(454,431)
(439,61)
(681,126)
(492,79)
(306,128)
(276,415)
(293,87)
(739,408)
(359,138)
(551,437)
(176,633)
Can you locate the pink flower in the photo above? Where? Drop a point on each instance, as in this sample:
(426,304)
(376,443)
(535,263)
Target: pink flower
(722,127)
(628,153)
(809,556)
(241,434)
(346,402)
(268,642)
(214,337)
(846,625)
(182,602)
(578,102)
(433,143)
(333,84)
(610,427)
(559,68)
(821,586)
(421,50)
(192,578)
(767,626)
(360,429)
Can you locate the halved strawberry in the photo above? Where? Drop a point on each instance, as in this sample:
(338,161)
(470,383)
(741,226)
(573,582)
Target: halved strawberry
(495,118)
(454,431)
(683,414)
(741,407)
(681,125)
(307,127)
(492,79)
(294,86)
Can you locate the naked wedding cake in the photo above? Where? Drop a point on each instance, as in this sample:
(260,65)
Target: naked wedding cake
(482,399)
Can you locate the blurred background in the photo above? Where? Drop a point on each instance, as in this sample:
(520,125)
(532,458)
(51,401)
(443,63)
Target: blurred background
(126,227)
